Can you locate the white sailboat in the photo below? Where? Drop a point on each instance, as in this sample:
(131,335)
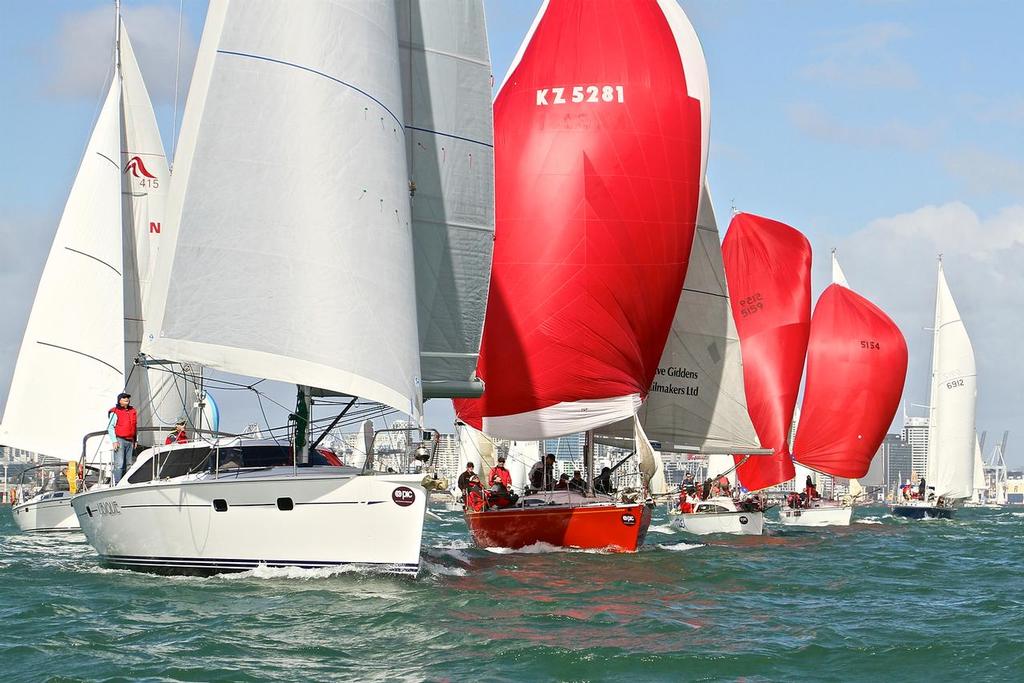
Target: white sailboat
(697,403)
(294,227)
(82,336)
(951,427)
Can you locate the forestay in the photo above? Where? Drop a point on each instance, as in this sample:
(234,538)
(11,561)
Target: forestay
(446,87)
(288,251)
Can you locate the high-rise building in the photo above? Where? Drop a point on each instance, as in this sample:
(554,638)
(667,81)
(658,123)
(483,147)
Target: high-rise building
(915,434)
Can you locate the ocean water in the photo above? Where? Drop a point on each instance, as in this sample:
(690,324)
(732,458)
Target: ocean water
(884,599)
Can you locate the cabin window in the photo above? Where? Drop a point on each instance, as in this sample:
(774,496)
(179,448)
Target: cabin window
(711,508)
(285,504)
(220,505)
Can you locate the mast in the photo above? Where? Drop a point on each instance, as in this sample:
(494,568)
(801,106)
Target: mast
(932,425)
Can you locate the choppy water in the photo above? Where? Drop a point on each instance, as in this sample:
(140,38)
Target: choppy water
(885,599)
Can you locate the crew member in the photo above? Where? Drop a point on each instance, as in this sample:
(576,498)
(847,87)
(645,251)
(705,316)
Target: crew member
(542,474)
(465,477)
(178,435)
(499,473)
(578,483)
(685,506)
(811,490)
(603,481)
(122,426)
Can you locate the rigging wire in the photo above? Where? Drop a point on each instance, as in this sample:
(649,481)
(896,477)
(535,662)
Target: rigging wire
(177,71)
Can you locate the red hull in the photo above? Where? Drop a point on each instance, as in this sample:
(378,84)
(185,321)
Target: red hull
(617,527)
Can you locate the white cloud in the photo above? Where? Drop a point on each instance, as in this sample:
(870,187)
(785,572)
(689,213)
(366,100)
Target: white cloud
(985,172)
(79,56)
(892,261)
(863,57)
(820,125)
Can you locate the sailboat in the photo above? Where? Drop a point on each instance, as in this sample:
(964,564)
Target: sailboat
(84,329)
(318,238)
(856,366)
(601,147)
(951,426)
(768,268)
(697,405)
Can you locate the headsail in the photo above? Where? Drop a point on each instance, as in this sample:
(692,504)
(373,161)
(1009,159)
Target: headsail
(288,251)
(856,366)
(951,434)
(446,84)
(696,402)
(72,355)
(768,267)
(600,145)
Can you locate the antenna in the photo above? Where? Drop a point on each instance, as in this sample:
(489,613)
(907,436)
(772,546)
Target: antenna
(117,35)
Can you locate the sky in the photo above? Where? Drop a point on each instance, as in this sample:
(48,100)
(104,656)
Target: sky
(892,130)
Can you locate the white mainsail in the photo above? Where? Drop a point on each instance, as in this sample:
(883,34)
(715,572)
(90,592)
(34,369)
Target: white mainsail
(697,401)
(160,397)
(449,143)
(71,364)
(289,251)
(951,428)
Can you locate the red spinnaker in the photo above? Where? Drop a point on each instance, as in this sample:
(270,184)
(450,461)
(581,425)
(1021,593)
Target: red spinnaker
(856,365)
(598,164)
(768,269)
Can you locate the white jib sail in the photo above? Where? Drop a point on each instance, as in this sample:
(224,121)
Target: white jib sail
(951,430)
(980,485)
(160,398)
(446,83)
(288,250)
(697,401)
(71,364)
(476,448)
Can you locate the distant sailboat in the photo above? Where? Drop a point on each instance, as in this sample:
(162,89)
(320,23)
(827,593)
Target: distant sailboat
(84,329)
(323,144)
(768,266)
(601,131)
(951,426)
(856,367)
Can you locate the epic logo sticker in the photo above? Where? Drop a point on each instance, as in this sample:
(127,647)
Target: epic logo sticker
(403,496)
(743,519)
(629,519)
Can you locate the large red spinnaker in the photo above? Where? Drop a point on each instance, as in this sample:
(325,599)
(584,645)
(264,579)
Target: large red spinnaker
(856,365)
(600,144)
(768,270)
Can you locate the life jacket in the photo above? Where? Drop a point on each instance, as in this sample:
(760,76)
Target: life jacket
(127,422)
(475,499)
(174,437)
(501,475)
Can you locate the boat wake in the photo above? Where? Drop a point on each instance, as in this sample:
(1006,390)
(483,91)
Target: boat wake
(679,547)
(428,568)
(869,520)
(661,529)
(541,548)
(303,573)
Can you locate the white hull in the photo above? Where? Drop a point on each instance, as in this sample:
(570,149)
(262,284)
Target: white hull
(337,517)
(725,520)
(44,513)
(826,515)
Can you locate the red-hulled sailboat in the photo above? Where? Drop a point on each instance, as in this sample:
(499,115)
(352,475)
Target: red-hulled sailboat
(601,132)
(856,366)
(768,270)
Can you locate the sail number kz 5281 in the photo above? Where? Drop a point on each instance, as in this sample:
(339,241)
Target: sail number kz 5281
(580,93)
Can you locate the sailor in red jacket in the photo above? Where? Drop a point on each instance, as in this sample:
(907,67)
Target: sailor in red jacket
(178,435)
(122,426)
(500,474)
